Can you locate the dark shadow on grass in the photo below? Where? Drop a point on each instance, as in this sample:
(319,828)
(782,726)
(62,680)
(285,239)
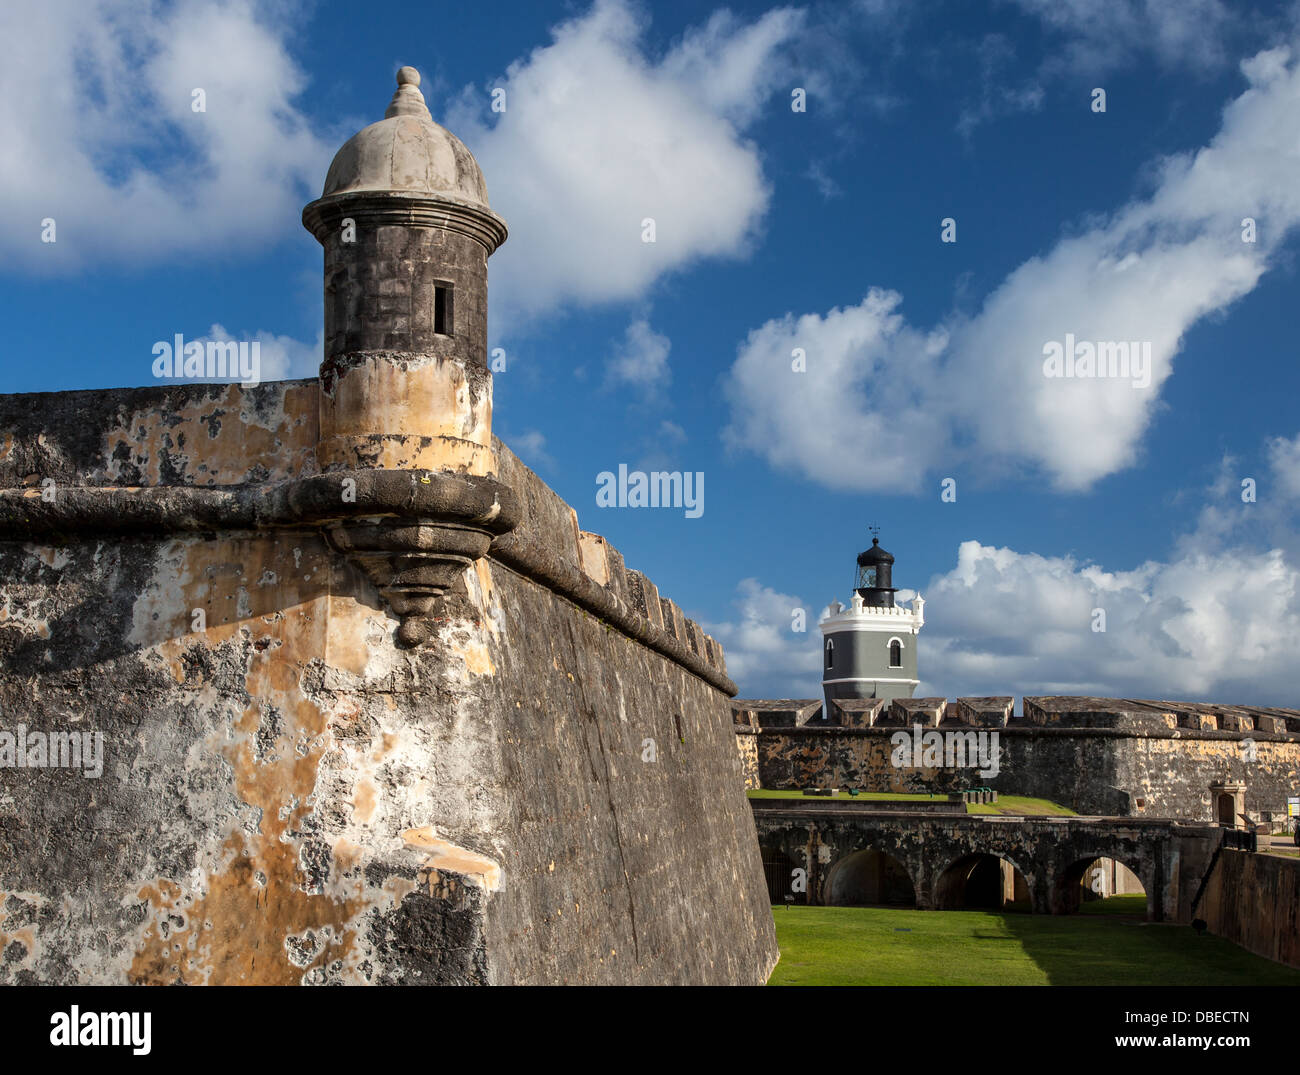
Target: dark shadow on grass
(1104,949)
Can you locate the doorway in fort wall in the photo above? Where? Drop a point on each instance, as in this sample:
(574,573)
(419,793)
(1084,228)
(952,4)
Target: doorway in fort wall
(783,876)
(982,881)
(869,878)
(1087,881)
(1228,800)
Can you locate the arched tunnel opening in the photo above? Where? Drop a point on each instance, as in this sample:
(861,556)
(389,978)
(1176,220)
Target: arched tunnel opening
(778,869)
(869,878)
(982,882)
(1101,885)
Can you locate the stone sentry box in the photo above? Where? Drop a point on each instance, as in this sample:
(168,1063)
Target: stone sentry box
(368,712)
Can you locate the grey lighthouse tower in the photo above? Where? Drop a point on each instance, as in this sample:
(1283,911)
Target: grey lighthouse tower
(869,648)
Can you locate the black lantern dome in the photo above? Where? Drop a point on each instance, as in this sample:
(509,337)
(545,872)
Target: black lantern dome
(875,570)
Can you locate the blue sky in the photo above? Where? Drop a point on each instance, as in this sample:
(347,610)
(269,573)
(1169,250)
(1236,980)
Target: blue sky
(775,229)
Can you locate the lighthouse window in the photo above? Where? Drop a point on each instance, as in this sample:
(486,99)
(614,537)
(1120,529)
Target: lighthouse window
(442,309)
(895,654)
(830,652)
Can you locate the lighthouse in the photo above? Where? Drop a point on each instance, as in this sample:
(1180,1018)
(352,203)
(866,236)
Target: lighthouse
(869,648)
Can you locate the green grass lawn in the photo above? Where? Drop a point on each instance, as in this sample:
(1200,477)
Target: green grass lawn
(866,796)
(1020,804)
(1127,904)
(884,946)
(1006,804)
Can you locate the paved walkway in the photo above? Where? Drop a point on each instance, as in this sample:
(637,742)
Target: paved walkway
(1276,842)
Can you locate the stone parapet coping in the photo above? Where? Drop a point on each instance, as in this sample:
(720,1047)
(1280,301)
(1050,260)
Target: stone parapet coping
(535,561)
(1089,821)
(318,501)
(1036,730)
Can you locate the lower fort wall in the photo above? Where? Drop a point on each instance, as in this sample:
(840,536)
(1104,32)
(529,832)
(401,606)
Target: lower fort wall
(1254,900)
(1102,771)
(747,744)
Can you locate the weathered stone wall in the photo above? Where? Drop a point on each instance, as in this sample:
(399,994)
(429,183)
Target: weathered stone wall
(1051,854)
(747,745)
(845,757)
(179,435)
(617,875)
(1254,900)
(288,796)
(1154,771)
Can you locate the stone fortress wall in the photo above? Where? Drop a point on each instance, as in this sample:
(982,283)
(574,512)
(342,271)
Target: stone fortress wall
(1254,901)
(287,794)
(372,706)
(1099,756)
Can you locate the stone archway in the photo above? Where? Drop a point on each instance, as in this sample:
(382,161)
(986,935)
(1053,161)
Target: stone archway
(869,878)
(1069,884)
(982,881)
(778,870)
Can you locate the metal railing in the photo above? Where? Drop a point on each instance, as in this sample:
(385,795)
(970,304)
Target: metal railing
(780,881)
(1240,840)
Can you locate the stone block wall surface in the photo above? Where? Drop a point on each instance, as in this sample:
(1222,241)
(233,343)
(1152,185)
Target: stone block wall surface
(991,711)
(933,846)
(747,744)
(178,435)
(545,791)
(1110,757)
(1254,900)
(859,712)
(924,711)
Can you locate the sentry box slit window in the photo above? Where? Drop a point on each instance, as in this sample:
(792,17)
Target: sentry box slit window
(442,310)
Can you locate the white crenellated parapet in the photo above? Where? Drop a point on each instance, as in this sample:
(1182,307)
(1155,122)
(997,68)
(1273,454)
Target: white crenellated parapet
(863,617)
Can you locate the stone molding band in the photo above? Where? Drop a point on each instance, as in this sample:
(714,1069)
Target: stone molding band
(457,501)
(313,501)
(400,208)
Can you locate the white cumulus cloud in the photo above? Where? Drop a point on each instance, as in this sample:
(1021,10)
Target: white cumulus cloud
(100,135)
(883,403)
(1217,620)
(1284,460)
(275,358)
(641,359)
(766,657)
(598,137)
(1102,35)
(1196,627)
